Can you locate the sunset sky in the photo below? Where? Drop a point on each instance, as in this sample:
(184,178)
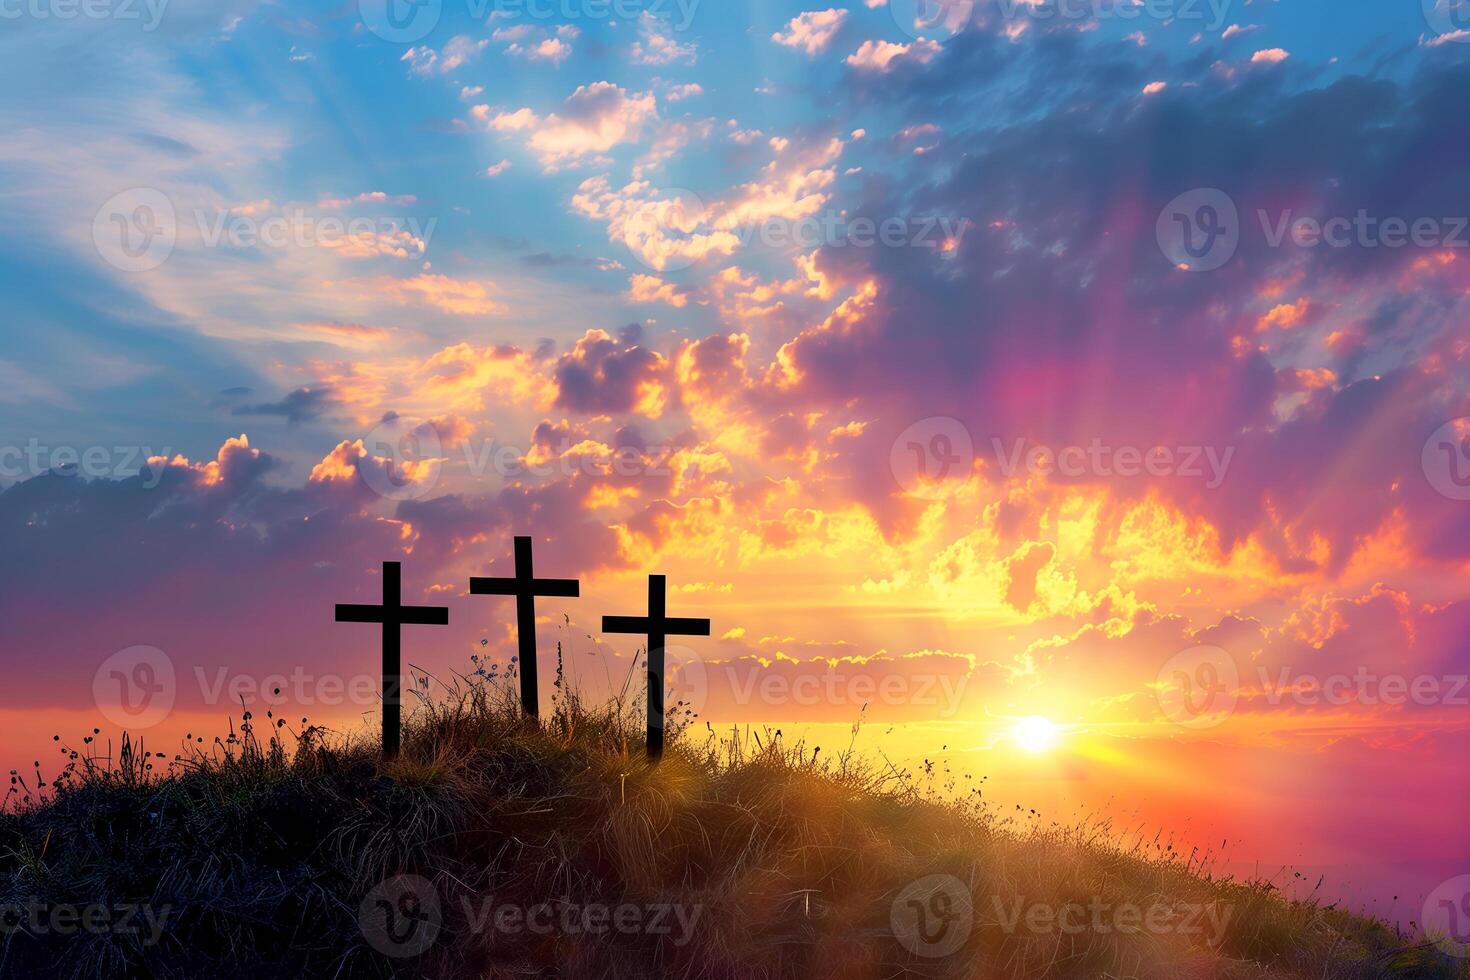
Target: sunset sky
(970,362)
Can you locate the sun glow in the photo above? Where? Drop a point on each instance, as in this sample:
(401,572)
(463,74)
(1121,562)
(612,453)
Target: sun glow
(1035,734)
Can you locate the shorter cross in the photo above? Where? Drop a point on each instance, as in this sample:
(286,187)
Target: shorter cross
(525,587)
(393,615)
(658,627)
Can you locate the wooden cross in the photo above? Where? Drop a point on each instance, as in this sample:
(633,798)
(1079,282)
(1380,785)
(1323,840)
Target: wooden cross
(393,615)
(657,626)
(525,587)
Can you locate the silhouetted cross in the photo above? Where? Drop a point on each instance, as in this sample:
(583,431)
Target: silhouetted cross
(393,615)
(658,627)
(525,587)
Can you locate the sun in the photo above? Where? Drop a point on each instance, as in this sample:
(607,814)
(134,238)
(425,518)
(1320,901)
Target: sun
(1035,733)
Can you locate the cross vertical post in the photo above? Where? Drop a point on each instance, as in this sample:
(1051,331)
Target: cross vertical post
(526,587)
(392,614)
(658,627)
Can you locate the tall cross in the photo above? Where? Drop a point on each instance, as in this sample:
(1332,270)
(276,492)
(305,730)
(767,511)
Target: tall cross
(525,587)
(393,615)
(658,627)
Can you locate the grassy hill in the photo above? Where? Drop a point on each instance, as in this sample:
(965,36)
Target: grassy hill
(495,848)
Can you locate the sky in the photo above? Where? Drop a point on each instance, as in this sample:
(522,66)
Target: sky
(966,364)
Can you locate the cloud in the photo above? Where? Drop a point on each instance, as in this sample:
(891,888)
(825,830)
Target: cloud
(594,119)
(652,289)
(606,374)
(812,31)
(459,51)
(355,334)
(677,93)
(336,203)
(885,56)
(658,46)
(1235,30)
(461,297)
(301,405)
(535,44)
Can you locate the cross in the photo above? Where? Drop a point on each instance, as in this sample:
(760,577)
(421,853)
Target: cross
(658,627)
(525,587)
(393,615)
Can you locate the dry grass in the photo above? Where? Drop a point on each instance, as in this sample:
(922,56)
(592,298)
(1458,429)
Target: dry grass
(260,850)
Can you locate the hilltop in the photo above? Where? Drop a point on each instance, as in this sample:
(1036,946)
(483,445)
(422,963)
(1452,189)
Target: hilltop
(497,847)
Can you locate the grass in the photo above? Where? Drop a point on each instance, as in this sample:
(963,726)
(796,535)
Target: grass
(280,853)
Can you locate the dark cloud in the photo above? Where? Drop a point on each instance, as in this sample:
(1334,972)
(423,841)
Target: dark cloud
(301,405)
